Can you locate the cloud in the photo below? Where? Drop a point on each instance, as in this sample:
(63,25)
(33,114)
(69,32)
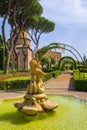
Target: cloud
(65,11)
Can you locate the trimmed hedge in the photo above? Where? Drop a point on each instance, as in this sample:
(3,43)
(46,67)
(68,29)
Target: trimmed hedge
(47,76)
(14,83)
(21,82)
(9,72)
(51,74)
(80,85)
(56,73)
(80,80)
(1,72)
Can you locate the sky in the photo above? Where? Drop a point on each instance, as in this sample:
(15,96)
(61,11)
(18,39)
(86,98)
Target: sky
(70,18)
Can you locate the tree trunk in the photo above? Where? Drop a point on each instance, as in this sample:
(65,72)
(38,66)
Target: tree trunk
(17,58)
(24,51)
(7,62)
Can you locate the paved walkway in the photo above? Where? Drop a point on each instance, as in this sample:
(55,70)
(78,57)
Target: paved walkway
(63,84)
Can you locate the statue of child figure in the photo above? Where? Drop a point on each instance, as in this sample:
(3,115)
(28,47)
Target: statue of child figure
(36,85)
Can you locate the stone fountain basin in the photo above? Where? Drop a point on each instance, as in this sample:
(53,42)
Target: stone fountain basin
(70,115)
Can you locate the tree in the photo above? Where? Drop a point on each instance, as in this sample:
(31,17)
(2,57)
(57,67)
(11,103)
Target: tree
(42,51)
(12,11)
(2,54)
(33,9)
(46,60)
(38,25)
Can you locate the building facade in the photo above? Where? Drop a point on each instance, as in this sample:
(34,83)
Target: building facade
(24,52)
(56,55)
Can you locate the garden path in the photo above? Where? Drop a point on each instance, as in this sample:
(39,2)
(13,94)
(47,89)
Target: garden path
(63,84)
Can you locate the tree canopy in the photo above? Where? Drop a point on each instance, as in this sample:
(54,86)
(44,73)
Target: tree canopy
(22,15)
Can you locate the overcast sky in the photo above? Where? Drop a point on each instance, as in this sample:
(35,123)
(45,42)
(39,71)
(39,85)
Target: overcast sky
(70,18)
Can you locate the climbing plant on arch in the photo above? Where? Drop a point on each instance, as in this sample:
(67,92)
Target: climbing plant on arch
(66,60)
(61,46)
(67,65)
(68,48)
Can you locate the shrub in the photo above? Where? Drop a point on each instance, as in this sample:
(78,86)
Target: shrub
(80,80)
(11,83)
(1,72)
(56,73)
(51,74)
(80,85)
(47,76)
(14,83)
(12,71)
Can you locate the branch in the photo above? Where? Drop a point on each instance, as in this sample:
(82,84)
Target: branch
(32,37)
(23,50)
(3,24)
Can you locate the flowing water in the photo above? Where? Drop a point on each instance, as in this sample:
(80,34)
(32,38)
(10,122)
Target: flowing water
(70,115)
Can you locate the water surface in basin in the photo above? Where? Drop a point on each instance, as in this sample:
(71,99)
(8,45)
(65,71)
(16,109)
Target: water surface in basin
(70,115)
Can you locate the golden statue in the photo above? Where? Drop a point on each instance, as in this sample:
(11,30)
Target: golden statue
(35,99)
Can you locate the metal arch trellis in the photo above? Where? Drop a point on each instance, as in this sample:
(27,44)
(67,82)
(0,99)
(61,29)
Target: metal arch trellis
(69,62)
(64,58)
(68,48)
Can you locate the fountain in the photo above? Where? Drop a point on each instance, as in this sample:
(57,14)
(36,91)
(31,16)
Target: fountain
(35,99)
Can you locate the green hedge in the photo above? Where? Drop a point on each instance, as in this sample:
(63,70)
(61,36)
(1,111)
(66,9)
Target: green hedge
(80,85)
(80,80)
(1,72)
(21,82)
(51,74)
(56,73)
(10,71)
(47,76)
(14,83)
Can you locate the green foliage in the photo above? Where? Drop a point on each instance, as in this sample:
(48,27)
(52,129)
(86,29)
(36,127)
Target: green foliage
(54,68)
(41,24)
(80,80)
(76,74)
(56,73)
(21,82)
(1,72)
(14,83)
(67,60)
(47,61)
(12,71)
(42,51)
(51,74)
(32,7)
(47,76)
(80,85)
(9,72)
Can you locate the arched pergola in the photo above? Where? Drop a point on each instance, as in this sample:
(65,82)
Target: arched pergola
(67,64)
(68,48)
(56,46)
(65,60)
